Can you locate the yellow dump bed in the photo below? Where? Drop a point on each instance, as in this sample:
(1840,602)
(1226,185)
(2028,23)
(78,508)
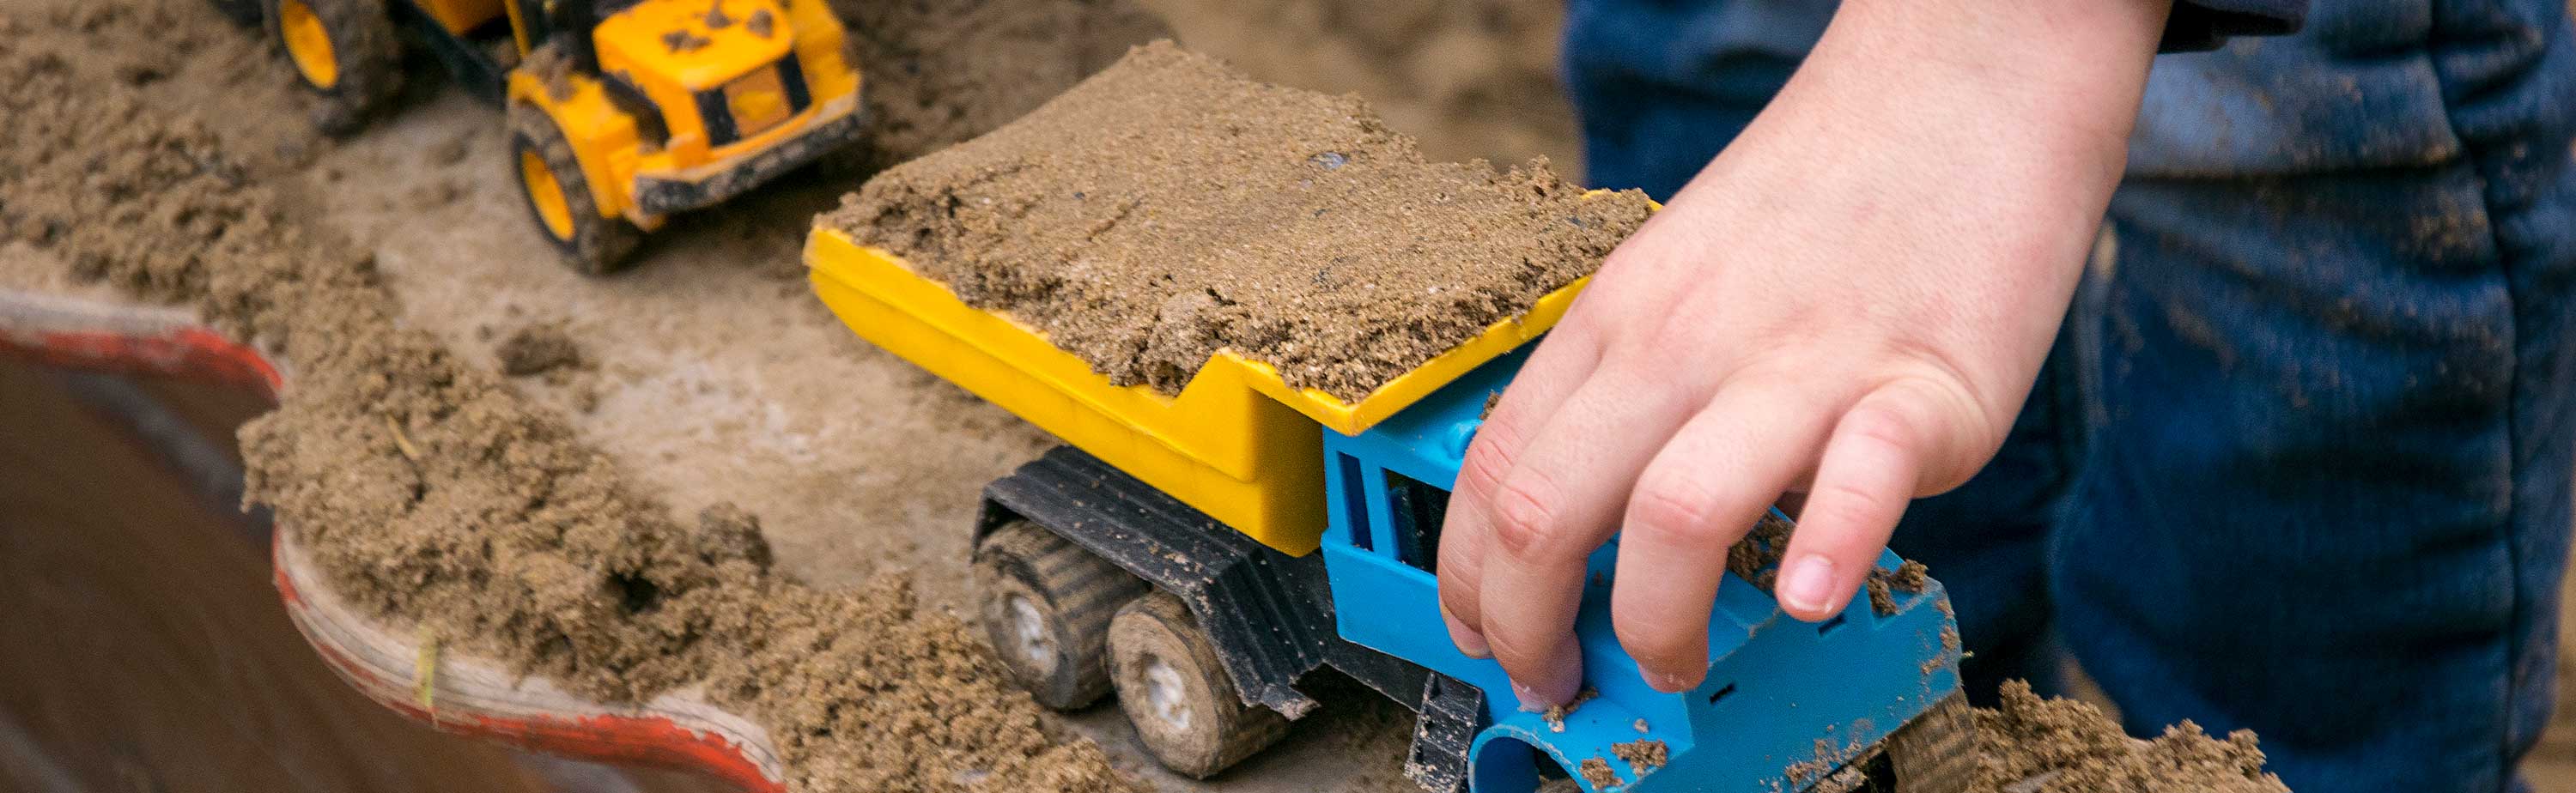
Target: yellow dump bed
(1237,442)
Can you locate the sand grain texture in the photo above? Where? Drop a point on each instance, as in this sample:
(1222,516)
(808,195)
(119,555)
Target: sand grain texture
(942,71)
(429,491)
(1168,208)
(2067,746)
(1470,78)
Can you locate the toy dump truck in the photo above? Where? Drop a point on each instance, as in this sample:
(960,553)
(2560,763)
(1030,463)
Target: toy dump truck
(621,112)
(1201,554)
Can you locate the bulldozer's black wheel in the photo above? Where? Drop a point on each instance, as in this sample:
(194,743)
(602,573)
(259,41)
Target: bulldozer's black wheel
(345,51)
(1046,604)
(1184,705)
(241,12)
(559,197)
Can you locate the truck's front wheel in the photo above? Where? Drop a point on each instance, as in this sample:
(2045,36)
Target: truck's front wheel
(1046,605)
(559,196)
(345,50)
(1179,697)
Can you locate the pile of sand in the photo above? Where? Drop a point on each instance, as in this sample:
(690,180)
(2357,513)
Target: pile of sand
(941,71)
(1469,78)
(1168,208)
(2030,745)
(430,492)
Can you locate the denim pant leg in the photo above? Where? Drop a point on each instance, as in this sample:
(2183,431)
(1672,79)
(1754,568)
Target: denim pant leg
(2328,491)
(1662,86)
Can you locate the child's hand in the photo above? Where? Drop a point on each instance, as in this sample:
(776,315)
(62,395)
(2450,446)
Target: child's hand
(1850,303)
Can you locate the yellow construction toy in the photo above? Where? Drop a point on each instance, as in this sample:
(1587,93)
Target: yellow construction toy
(621,112)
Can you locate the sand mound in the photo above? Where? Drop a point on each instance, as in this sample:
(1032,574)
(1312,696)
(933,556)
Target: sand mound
(430,492)
(1168,208)
(942,71)
(2066,746)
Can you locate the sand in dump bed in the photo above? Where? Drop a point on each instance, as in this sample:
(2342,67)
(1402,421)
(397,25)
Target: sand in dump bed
(1168,208)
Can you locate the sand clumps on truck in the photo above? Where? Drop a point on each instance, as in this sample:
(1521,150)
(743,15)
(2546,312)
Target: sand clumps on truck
(1169,208)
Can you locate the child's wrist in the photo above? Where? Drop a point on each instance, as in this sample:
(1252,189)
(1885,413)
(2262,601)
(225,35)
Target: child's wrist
(2066,75)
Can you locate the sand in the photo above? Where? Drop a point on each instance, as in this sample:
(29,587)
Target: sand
(2067,746)
(1643,756)
(431,492)
(941,71)
(1470,78)
(443,494)
(1169,208)
(538,349)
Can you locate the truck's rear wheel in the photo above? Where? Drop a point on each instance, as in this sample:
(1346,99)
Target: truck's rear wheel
(560,199)
(344,50)
(1179,697)
(1046,605)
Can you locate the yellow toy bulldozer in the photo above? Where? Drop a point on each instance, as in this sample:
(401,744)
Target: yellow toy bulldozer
(621,112)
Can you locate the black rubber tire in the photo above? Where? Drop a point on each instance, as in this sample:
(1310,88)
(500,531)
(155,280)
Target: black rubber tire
(1196,724)
(245,13)
(1057,648)
(364,47)
(1936,752)
(597,245)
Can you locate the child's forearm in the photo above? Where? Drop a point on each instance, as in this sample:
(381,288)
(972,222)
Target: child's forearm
(2046,88)
(1907,106)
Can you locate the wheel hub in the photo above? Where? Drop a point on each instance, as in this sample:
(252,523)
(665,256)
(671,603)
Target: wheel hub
(308,44)
(1028,630)
(1166,696)
(546,195)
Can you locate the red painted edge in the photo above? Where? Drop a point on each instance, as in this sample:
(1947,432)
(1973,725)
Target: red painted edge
(183,352)
(198,352)
(653,741)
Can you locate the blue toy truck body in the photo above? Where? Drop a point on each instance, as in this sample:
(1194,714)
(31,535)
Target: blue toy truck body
(1783,703)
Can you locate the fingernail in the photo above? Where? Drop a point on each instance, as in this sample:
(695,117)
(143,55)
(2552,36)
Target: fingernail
(1529,698)
(1808,584)
(1468,640)
(1667,683)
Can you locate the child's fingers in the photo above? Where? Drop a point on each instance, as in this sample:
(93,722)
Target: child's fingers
(1559,505)
(1560,364)
(1700,495)
(1870,470)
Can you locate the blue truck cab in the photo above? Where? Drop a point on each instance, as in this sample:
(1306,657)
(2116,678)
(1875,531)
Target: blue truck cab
(1784,701)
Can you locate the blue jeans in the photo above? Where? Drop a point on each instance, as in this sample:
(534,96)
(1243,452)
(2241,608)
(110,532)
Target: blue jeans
(2301,460)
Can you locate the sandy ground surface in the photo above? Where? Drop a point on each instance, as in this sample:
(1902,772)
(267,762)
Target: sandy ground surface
(1470,78)
(718,377)
(715,376)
